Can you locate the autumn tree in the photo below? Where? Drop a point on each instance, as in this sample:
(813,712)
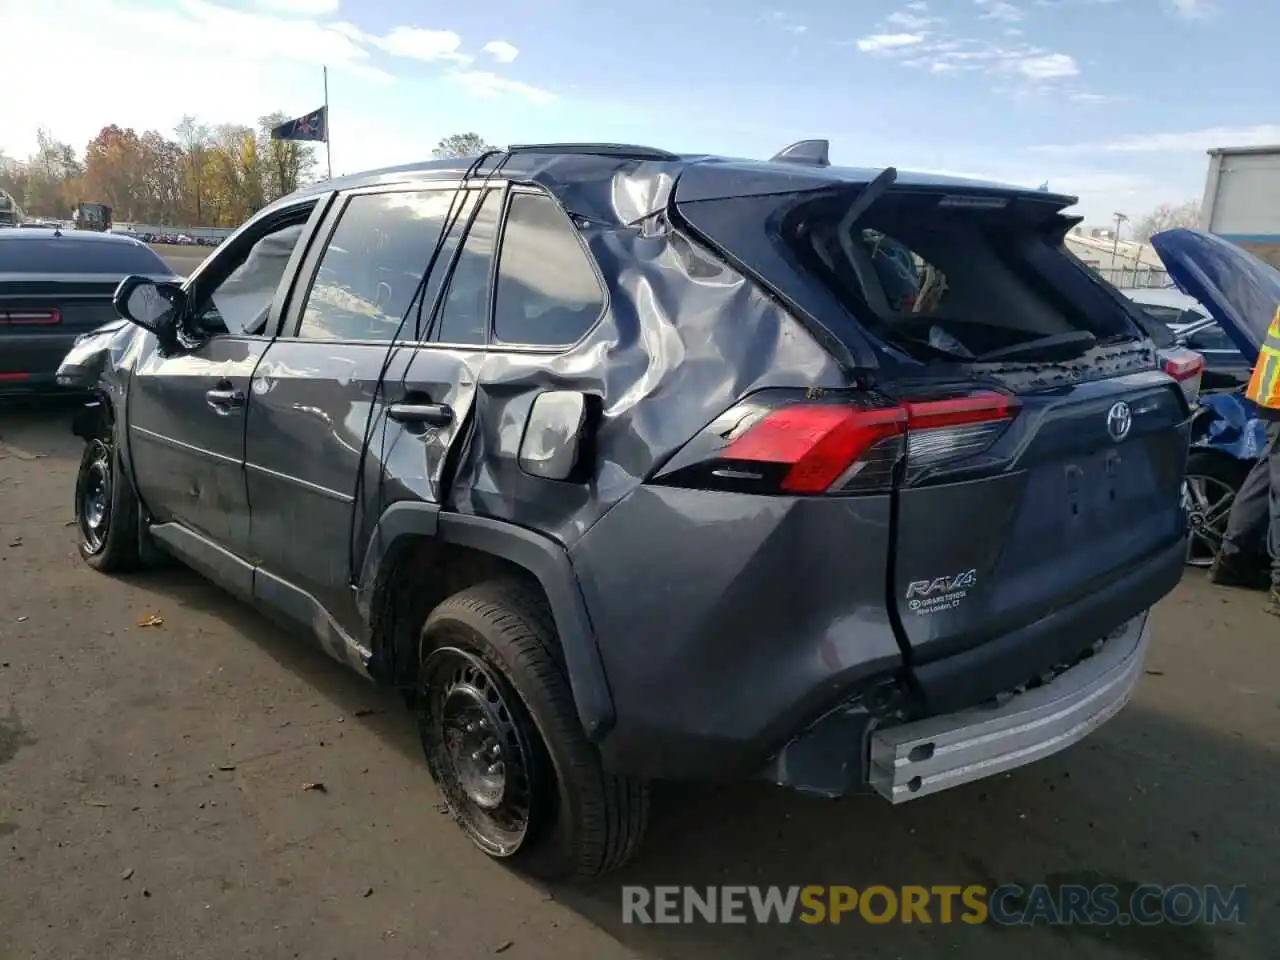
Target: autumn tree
(53,175)
(460,145)
(1166,217)
(13,177)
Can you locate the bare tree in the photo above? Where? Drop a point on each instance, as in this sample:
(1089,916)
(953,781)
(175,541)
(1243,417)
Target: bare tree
(1166,217)
(460,145)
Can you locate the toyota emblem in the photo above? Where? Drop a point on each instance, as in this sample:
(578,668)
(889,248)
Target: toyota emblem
(1119,420)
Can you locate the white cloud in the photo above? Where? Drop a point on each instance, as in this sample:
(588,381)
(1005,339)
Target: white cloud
(795,28)
(484,83)
(880,42)
(1193,9)
(501,51)
(310,8)
(999,10)
(1189,141)
(914,16)
(1049,66)
(1082,96)
(420,44)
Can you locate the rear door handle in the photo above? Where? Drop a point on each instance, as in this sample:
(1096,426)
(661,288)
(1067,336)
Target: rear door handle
(433,414)
(224,401)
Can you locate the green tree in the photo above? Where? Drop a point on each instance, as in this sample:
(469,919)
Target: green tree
(460,145)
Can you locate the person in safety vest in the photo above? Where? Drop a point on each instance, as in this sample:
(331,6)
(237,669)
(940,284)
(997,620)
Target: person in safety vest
(1254,522)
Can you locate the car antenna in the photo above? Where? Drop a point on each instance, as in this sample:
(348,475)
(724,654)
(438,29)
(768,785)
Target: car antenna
(808,153)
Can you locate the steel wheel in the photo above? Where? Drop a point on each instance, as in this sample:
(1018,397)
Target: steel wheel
(93,497)
(1208,501)
(476,751)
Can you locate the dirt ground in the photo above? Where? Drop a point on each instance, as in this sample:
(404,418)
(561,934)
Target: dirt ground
(152,798)
(182,259)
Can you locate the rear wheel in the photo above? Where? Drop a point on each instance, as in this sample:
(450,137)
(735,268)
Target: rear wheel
(504,744)
(1213,480)
(106,511)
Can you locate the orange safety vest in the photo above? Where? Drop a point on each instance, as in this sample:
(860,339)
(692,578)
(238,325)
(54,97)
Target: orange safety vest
(1264,385)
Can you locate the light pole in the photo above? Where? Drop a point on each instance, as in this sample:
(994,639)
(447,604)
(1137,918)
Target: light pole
(1115,241)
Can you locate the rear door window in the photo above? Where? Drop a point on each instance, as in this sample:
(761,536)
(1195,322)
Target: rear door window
(464,312)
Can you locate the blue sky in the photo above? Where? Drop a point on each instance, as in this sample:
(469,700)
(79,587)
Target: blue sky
(1114,100)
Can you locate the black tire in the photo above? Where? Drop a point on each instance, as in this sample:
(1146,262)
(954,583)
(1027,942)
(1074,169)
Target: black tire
(106,511)
(1212,471)
(582,821)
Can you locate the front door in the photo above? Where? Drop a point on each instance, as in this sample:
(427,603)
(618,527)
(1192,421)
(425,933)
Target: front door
(323,389)
(187,410)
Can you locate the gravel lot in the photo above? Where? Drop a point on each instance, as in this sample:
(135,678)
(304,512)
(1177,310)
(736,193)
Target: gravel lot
(152,800)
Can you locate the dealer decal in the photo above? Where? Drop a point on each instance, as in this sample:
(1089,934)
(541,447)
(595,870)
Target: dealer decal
(940,593)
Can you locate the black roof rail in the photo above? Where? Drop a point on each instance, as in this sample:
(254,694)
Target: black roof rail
(624,151)
(809,153)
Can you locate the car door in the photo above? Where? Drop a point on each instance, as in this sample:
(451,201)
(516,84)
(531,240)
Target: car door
(317,402)
(186,410)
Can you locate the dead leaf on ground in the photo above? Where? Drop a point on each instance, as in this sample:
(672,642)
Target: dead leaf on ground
(151,620)
(317,787)
(226,767)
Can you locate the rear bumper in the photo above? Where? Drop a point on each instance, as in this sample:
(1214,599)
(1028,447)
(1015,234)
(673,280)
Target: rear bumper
(29,361)
(915,759)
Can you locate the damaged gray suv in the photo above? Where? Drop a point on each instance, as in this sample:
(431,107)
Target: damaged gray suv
(626,465)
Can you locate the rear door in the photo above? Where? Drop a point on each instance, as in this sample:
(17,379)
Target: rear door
(322,391)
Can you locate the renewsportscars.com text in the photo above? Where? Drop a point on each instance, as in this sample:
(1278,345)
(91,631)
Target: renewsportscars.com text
(1007,905)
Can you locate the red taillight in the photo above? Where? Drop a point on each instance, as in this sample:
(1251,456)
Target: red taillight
(830,446)
(1184,368)
(39,317)
(821,442)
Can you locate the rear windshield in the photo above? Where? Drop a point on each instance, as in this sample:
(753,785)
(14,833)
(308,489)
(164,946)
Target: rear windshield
(954,282)
(65,255)
(941,282)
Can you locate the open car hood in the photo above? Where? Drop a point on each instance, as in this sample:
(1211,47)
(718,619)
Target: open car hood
(1240,291)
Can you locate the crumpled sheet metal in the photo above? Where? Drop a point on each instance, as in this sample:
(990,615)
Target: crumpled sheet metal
(682,339)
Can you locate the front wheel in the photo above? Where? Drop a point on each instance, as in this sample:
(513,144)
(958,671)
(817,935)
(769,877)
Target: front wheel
(106,511)
(1213,480)
(504,744)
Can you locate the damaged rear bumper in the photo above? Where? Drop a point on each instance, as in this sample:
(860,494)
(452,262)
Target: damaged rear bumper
(925,756)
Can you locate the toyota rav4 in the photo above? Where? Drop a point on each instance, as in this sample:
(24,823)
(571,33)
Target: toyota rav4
(627,465)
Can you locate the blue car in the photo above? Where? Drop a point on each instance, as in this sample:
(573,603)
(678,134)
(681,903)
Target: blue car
(1241,293)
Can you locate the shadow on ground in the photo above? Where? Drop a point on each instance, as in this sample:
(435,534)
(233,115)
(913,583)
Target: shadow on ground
(1147,800)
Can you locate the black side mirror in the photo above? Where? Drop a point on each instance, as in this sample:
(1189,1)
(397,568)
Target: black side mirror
(155,307)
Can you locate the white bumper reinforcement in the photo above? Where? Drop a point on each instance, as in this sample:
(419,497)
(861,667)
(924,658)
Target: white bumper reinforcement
(925,756)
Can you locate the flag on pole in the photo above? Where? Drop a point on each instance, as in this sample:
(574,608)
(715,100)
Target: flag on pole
(310,126)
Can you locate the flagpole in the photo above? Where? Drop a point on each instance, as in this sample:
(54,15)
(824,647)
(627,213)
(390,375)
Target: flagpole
(328,157)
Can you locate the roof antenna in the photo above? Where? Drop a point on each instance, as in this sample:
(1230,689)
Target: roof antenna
(808,153)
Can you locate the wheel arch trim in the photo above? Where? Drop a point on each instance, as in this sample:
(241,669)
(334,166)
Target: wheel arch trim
(544,559)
